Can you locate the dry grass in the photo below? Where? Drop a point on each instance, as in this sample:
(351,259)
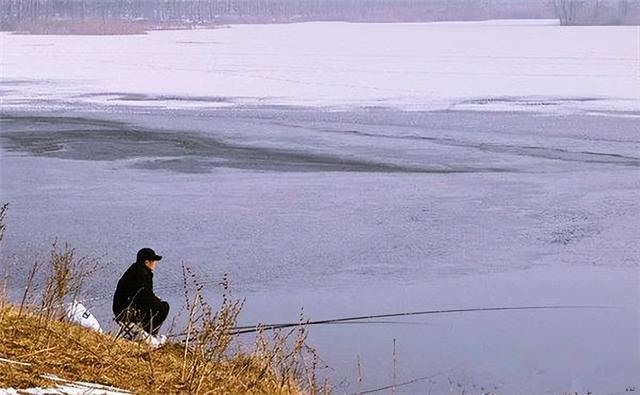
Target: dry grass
(3,283)
(3,213)
(206,358)
(64,280)
(283,359)
(74,353)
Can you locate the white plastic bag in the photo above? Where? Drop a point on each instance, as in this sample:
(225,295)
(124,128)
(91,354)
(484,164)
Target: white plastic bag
(79,315)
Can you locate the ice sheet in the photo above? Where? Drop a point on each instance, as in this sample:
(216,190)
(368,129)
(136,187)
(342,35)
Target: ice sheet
(504,65)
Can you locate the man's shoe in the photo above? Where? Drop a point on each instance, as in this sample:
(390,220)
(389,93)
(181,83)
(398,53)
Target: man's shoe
(153,341)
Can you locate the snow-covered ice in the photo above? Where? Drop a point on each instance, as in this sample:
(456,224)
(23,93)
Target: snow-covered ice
(514,65)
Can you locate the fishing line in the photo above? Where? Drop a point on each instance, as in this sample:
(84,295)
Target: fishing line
(402,384)
(238,330)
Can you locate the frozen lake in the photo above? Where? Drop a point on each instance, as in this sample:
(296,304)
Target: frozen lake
(351,203)
(341,215)
(495,65)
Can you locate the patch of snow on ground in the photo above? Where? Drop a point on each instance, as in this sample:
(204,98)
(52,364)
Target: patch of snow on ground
(65,387)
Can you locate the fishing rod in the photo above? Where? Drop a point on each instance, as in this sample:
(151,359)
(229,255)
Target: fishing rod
(239,330)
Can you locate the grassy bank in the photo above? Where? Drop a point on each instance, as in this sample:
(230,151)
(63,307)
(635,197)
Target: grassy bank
(37,341)
(72,353)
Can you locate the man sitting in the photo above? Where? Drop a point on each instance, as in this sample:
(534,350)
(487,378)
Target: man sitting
(134,301)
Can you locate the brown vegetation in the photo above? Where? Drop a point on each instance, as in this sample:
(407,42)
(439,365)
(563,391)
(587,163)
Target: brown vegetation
(204,358)
(76,354)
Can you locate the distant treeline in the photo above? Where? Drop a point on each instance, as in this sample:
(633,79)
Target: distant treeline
(184,13)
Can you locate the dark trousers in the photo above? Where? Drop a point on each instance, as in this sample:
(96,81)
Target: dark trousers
(150,319)
(155,318)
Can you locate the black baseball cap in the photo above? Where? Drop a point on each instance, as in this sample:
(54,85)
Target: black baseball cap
(147,254)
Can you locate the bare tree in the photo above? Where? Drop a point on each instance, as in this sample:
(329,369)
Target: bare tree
(566,11)
(623,10)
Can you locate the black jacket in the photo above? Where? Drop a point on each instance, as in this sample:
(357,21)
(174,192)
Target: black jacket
(135,290)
